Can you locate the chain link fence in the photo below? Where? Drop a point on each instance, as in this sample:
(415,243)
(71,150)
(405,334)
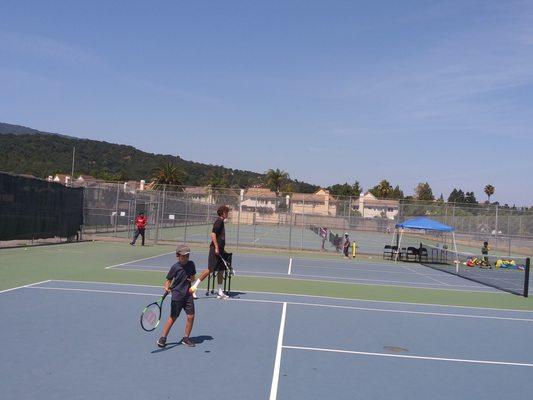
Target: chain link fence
(262,218)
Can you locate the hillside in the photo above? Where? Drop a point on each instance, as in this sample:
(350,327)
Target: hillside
(29,151)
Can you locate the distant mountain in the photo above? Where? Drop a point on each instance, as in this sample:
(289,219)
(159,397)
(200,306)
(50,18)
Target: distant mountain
(23,130)
(29,151)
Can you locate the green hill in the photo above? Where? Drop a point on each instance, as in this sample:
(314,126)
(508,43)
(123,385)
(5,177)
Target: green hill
(29,151)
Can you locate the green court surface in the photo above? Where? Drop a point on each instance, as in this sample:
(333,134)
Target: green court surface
(87,261)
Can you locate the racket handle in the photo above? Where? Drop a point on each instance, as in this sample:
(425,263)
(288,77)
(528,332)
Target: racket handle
(164,296)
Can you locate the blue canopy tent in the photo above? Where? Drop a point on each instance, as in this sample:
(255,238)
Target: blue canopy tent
(425,224)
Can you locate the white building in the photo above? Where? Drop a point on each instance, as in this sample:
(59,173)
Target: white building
(372,207)
(201,194)
(259,198)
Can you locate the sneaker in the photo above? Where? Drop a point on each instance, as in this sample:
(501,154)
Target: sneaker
(162,342)
(187,341)
(222,295)
(133,244)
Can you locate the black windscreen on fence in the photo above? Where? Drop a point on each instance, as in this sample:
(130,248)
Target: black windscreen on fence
(35,209)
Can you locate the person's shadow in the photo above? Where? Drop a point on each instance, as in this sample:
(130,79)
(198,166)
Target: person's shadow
(210,295)
(196,339)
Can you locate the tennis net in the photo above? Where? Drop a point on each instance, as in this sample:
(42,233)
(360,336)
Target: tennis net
(510,274)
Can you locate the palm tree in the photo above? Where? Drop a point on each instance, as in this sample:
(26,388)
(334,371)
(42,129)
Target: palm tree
(169,174)
(489,191)
(275,178)
(384,189)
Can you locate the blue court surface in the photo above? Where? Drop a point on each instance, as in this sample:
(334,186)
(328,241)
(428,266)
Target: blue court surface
(82,340)
(375,272)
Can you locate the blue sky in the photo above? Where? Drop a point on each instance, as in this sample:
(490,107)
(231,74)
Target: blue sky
(329,91)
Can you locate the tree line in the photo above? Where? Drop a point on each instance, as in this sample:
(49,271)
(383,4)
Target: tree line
(43,154)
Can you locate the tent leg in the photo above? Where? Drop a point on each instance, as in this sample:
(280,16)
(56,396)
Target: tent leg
(456,255)
(398,247)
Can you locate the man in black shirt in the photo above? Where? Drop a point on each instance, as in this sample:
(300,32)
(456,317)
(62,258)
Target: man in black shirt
(216,251)
(178,281)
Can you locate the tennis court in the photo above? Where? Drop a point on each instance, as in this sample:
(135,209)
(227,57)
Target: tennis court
(298,326)
(374,272)
(264,345)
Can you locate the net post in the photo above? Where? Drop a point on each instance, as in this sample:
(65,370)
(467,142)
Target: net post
(526,280)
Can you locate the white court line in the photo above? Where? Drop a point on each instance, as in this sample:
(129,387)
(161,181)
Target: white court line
(25,286)
(91,291)
(314,296)
(384,282)
(386,310)
(365,268)
(364,353)
(277,362)
(131,266)
(140,259)
(423,313)
(283,275)
(429,277)
(385,301)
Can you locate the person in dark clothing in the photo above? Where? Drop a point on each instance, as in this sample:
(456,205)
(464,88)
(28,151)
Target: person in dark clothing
(178,281)
(216,251)
(140,225)
(346,245)
(485,252)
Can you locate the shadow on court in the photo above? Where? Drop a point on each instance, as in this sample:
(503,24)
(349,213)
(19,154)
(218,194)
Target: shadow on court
(196,339)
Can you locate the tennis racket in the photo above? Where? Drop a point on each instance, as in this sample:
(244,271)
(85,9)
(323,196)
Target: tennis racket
(151,315)
(227,264)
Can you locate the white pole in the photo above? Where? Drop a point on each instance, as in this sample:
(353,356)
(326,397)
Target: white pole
(392,238)
(456,255)
(399,246)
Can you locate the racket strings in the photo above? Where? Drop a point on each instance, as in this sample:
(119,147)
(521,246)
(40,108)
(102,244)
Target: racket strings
(150,317)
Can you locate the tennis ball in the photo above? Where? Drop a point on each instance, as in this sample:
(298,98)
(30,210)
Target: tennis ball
(25,248)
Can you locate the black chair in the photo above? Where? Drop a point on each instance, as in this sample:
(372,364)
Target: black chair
(422,254)
(411,254)
(387,251)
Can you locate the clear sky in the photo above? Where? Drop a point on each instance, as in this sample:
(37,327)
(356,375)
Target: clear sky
(329,91)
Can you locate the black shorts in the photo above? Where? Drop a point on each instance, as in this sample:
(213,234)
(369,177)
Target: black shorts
(186,304)
(214,263)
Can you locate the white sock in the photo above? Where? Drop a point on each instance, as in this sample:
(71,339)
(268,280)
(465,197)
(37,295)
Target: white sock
(195,285)
(219,288)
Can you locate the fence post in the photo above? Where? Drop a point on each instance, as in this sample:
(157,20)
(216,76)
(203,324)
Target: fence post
(349,211)
(186,217)
(509,232)
(116,208)
(496,223)
(241,198)
(303,207)
(131,217)
(289,218)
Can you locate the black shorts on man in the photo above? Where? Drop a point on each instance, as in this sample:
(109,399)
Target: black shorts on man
(186,304)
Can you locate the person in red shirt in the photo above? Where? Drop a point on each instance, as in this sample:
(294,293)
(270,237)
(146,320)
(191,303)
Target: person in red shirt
(140,225)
